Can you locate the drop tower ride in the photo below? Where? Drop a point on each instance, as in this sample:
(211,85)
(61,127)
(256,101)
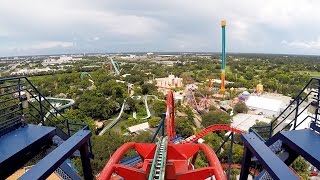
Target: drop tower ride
(223,57)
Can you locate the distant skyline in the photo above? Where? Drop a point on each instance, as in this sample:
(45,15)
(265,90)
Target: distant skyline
(37,27)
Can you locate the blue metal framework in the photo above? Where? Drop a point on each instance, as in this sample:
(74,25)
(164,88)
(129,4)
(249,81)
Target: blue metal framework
(51,162)
(297,110)
(161,126)
(269,151)
(21,106)
(254,147)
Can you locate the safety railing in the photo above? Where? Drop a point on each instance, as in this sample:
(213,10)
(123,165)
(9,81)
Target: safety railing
(299,105)
(21,102)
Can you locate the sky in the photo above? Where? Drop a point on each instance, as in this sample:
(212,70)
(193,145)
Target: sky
(33,27)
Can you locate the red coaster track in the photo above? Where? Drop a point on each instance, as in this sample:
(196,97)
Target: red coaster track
(180,158)
(213,128)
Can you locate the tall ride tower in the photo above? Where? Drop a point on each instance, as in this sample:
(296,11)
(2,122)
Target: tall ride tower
(223,58)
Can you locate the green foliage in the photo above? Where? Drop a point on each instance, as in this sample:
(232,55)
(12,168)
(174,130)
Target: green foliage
(215,117)
(234,173)
(154,121)
(158,108)
(213,140)
(201,161)
(96,106)
(301,167)
(237,152)
(103,147)
(183,127)
(77,116)
(265,128)
(143,137)
(240,107)
(147,88)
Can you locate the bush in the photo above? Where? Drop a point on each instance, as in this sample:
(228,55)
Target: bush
(240,107)
(154,122)
(215,117)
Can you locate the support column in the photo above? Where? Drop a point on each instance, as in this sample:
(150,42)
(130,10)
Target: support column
(245,165)
(85,160)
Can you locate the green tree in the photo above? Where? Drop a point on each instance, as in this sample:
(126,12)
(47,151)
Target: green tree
(77,116)
(241,107)
(158,108)
(301,167)
(213,140)
(183,127)
(237,152)
(263,127)
(142,137)
(148,88)
(154,121)
(215,117)
(103,148)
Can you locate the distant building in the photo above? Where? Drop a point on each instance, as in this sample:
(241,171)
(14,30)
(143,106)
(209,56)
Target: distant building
(168,82)
(266,106)
(245,121)
(218,81)
(191,87)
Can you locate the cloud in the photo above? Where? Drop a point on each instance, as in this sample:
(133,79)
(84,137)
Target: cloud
(180,25)
(302,44)
(43,46)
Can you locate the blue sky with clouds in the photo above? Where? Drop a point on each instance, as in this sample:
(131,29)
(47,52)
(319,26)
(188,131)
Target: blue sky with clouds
(77,26)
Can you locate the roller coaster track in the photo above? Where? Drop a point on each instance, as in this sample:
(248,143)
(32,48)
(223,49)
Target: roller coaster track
(213,128)
(147,108)
(165,152)
(59,108)
(114,121)
(170,116)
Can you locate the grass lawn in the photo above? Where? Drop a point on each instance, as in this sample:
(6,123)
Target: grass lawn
(311,73)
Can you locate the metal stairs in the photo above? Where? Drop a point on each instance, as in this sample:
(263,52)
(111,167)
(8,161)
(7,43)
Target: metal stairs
(26,131)
(275,147)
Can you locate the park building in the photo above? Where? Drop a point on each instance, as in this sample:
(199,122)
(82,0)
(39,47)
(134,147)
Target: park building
(169,82)
(265,106)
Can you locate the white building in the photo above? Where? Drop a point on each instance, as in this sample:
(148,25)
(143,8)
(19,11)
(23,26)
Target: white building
(139,127)
(245,121)
(168,82)
(191,87)
(266,106)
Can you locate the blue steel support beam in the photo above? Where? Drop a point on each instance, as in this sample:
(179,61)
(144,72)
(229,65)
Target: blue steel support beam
(318,101)
(230,155)
(52,161)
(245,165)
(161,126)
(270,161)
(85,160)
(296,115)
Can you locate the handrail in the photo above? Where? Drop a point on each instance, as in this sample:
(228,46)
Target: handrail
(298,96)
(274,123)
(12,78)
(45,106)
(290,114)
(42,97)
(298,124)
(50,121)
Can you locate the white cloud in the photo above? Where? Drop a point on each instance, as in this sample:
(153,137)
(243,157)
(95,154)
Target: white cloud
(302,44)
(45,45)
(167,25)
(51,44)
